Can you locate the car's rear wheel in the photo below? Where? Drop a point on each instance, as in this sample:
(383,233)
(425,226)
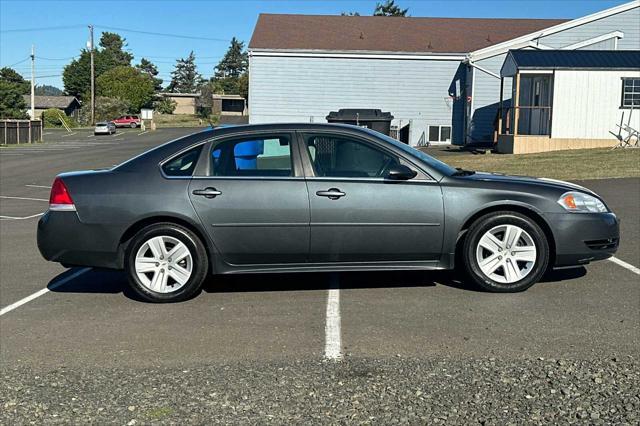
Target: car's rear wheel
(166,262)
(505,252)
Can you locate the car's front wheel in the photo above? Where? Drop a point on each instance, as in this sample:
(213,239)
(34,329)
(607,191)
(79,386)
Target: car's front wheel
(505,252)
(166,262)
(133,125)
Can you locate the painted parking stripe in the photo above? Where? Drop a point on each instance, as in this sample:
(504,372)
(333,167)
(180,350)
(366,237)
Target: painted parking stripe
(142,133)
(38,186)
(20,217)
(42,292)
(333,332)
(625,265)
(23,198)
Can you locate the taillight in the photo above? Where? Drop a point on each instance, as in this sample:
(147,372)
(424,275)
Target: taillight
(60,198)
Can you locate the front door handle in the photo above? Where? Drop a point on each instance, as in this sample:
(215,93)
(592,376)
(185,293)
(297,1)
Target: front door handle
(207,192)
(332,193)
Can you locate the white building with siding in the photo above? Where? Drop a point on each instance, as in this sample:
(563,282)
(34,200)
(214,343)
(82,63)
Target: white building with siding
(438,76)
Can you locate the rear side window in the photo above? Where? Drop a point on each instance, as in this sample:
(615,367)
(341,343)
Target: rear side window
(268,156)
(184,164)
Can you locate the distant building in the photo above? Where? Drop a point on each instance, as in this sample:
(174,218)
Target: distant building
(438,77)
(567,99)
(69,104)
(186,103)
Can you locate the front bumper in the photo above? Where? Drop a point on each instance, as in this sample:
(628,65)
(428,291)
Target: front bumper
(63,238)
(583,237)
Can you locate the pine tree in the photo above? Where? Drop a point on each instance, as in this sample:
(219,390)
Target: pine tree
(389,8)
(235,61)
(151,70)
(185,77)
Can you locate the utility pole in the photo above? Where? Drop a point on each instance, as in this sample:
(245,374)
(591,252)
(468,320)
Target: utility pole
(93,88)
(33,82)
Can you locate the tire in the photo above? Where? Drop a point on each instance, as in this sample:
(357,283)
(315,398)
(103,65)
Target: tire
(516,267)
(133,125)
(154,277)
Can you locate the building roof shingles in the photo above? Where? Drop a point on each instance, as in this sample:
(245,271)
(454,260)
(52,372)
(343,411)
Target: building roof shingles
(60,102)
(388,34)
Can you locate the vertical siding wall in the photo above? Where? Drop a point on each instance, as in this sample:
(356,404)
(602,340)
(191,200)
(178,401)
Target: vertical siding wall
(288,89)
(586,104)
(486,92)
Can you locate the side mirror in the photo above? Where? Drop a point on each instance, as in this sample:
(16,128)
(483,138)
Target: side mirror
(400,172)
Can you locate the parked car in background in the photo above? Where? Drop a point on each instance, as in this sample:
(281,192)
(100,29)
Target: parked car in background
(104,128)
(132,121)
(315,197)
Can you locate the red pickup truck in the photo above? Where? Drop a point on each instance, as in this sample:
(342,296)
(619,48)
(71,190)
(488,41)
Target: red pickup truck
(132,121)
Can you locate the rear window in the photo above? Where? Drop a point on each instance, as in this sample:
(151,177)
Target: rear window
(184,164)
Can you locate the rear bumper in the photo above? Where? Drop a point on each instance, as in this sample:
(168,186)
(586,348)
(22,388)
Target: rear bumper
(63,238)
(584,237)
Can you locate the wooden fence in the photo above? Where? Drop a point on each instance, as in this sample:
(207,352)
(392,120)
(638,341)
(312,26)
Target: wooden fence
(14,132)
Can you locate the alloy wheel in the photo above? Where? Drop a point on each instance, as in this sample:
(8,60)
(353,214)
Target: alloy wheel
(506,254)
(163,264)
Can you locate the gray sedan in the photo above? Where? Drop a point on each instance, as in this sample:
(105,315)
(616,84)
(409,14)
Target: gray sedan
(104,128)
(315,197)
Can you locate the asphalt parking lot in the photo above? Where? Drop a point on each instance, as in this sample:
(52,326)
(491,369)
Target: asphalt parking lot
(411,347)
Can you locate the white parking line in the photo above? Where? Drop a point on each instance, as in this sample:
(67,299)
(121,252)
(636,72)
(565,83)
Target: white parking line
(23,198)
(20,218)
(38,186)
(142,133)
(333,333)
(42,292)
(625,265)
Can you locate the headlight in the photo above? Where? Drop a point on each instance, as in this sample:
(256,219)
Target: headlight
(580,202)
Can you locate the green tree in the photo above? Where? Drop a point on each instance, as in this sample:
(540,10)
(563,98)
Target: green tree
(76,76)
(54,117)
(234,62)
(12,104)
(151,70)
(106,109)
(185,77)
(11,76)
(232,73)
(349,14)
(389,8)
(128,84)
(165,106)
(47,90)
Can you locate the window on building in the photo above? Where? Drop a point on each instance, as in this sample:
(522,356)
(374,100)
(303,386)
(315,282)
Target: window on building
(439,133)
(631,93)
(256,156)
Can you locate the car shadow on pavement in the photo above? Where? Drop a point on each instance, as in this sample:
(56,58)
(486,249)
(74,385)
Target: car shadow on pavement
(113,282)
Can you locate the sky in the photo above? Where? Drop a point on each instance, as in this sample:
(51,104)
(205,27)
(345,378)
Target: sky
(58,29)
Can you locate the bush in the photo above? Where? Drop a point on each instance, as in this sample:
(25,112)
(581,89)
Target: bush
(53,117)
(107,109)
(165,106)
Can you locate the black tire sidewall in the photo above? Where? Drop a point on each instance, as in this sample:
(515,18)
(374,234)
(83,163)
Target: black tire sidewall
(481,226)
(198,254)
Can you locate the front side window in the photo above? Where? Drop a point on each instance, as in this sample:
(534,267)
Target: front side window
(631,93)
(184,164)
(339,156)
(268,156)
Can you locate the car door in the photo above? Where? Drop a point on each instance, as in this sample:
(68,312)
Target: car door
(253,200)
(359,216)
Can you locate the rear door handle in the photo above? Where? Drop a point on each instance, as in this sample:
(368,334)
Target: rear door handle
(207,192)
(332,193)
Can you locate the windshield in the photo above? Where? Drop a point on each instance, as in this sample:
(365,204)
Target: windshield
(436,164)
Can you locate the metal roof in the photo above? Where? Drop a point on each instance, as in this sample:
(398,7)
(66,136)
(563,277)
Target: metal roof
(570,59)
(42,102)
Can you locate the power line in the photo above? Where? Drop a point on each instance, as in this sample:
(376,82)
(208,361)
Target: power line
(162,34)
(56,59)
(19,62)
(24,30)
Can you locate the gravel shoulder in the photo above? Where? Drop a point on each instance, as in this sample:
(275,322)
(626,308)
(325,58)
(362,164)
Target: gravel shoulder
(355,391)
